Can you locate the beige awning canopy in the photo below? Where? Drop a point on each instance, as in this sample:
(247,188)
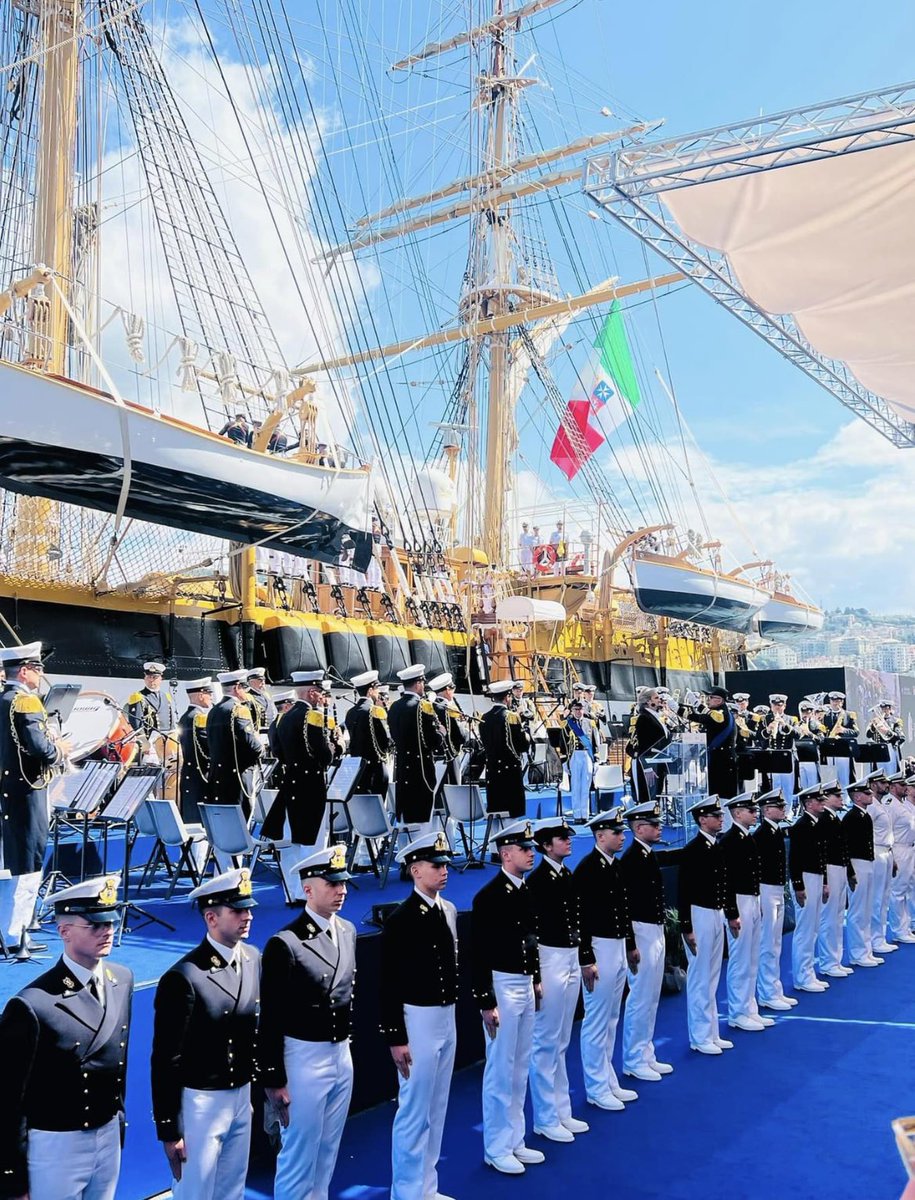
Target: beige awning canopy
(529,610)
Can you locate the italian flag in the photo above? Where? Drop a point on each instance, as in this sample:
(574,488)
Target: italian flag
(613,394)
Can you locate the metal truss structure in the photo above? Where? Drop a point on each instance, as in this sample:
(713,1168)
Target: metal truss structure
(629,184)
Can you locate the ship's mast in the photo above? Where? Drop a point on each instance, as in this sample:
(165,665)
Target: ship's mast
(59,24)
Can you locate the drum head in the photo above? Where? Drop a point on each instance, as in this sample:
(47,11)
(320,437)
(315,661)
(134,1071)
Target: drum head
(94,718)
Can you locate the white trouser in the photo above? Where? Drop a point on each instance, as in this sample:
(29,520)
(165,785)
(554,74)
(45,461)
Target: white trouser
(217,1137)
(703,970)
(768,978)
(860,903)
(581,771)
(320,1082)
(743,959)
(644,994)
(422,1101)
(508,1056)
(80,1164)
(807,922)
(900,890)
(786,782)
(892,763)
(17,904)
(560,975)
(602,1014)
(883,881)
(842,768)
(829,935)
(808,773)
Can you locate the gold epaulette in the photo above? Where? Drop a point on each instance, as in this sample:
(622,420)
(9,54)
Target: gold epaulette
(717,715)
(379,713)
(427,708)
(454,713)
(27,702)
(200,719)
(853,715)
(513,718)
(136,698)
(241,712)
(315,718)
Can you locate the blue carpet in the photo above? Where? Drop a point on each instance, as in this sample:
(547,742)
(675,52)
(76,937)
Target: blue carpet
(802,1110)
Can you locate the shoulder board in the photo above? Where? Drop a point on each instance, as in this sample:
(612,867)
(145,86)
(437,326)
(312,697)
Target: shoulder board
(241,712)
(379,713)
(315,718)
(27,702)
(513,718)
(200,719)
(136,698)
(427,707)
(853,715)
(717,715)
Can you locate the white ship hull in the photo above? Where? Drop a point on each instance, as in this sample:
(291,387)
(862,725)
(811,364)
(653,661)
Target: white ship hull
(667,587)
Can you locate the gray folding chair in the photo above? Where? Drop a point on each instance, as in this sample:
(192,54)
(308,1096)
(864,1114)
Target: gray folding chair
(465,807)
(172,832)
(370,823)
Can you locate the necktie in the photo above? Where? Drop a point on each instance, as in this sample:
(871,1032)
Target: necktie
(94,988)
(234,965)
(330,933)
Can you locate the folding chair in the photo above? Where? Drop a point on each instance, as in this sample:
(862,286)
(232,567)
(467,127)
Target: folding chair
(465,807)
(608,782)
(144,826)
(171,831)
(369,822)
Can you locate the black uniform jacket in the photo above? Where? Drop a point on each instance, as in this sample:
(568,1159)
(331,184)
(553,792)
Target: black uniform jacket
(195,762)
(556,906)
(304,749)
(417,740)
(263,709)
(418,962)
(504,741)
(741,855)
(26,754)
(233,747)
(835,843)
(503,936)
(704,881)
(369,739)
(770,843)
(306,991)
(204,1030)
(149,711)
(806,850)
(603,903)
(641,871)
(648,733)
(64,1060)
(859,833)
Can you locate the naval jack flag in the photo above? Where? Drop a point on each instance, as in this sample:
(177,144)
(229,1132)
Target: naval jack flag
(612,396)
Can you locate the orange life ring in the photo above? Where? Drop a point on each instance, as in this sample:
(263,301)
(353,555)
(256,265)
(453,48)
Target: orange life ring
(544,558)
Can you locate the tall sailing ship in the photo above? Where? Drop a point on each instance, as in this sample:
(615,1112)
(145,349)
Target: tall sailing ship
(186,238)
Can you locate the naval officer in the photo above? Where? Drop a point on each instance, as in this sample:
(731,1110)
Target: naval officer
(192,738)
(506,985)
(367,725)
(807,869)
(453,723)
(840,876)
(504,741)
(607,948)
(641,871)
(232,743)
(151,711)
(883,788)
(260,702)
(418,993)
(741,857)
(306,1018)
(859,838)
(841,726)
(705,901)
(63,1045)
(28,756)
(770,836)
(204,1046)
(902,813)
(556,911)
(418,739)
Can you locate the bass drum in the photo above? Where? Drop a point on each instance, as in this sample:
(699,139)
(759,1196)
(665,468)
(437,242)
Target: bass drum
(98,729)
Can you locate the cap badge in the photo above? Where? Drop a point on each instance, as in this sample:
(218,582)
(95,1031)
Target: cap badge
(215,960)
(310,928)
(338,858)
(528,830)
(108,896)
(244,883)
(69,983)
(441,844)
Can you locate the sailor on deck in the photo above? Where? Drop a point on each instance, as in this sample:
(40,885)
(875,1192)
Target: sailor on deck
(418,993)
(807,869)
(556,909)
(369,738)
(452,721)
(841,726)
(883,790)
(418,739)
(505,742)
(607,948)
(506,986)
(204,1046)
(706,900)
(859,837)
(152,711)
(741,856)
(840,876)
(63,1045)
(28,755)
(306,1018)
(770,837)
(641,871)
(304,750)
(261,703)
(192,737)
(232,743)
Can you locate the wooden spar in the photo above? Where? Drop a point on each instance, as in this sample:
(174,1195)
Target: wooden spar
(509,320)
(497,175)
(506,21)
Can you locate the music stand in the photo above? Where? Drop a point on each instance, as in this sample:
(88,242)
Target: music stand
(807,751)
(770,762)
(79,800)
(836,748)
(60,700)
(872,753)
(136,788)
